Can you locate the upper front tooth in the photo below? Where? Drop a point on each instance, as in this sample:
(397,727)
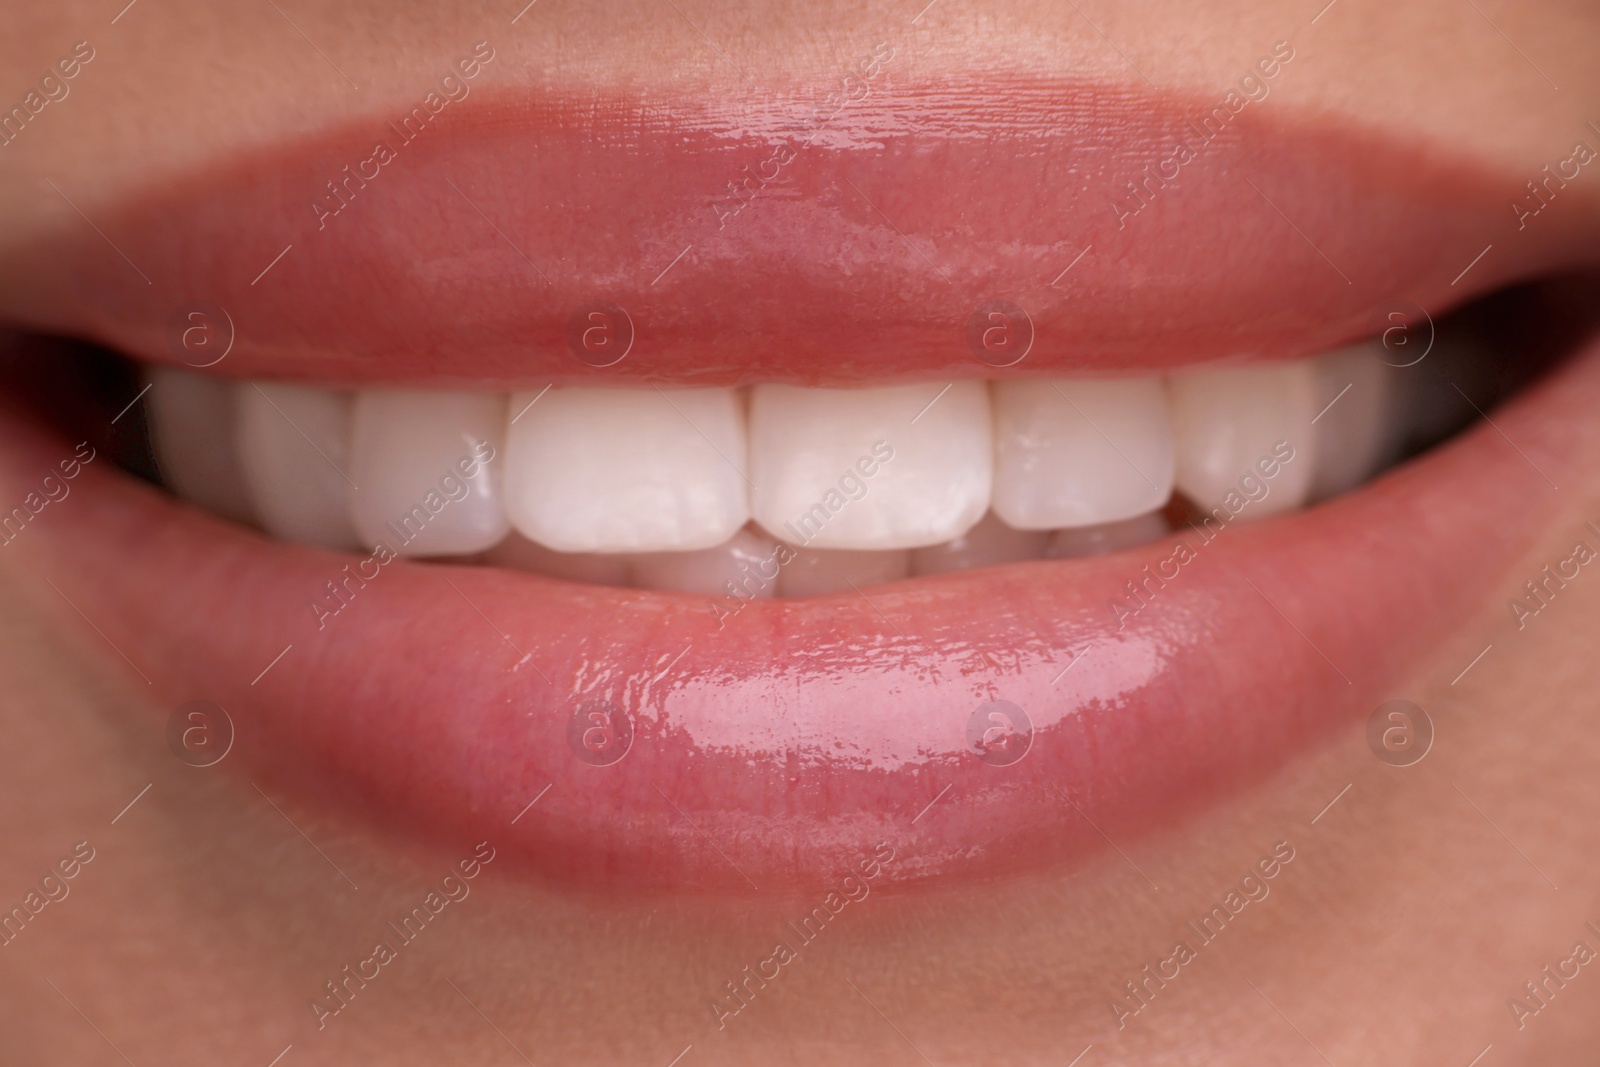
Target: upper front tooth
(1080,453)
(1359,429)
(888,468)
(425,470)
(1233,426)
(191,423)
(627,470)
(293,444)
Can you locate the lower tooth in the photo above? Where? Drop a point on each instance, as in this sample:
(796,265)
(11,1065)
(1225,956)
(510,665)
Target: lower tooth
(1246,433)
(987,544)
(293,444)
(519,553)
(749,561)
(192,423)
(1357,431)
(813,572)
(1111,537)
(426,470)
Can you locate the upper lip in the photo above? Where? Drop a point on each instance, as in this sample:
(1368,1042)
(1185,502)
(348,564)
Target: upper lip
(779,752)
(863,260)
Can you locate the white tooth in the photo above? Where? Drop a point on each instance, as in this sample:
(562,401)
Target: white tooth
(191,422)
(1359,434)
(749,562)
(426,470)
(519,553)
(989,543)
(294,444)
(1112,537)
(1080,452)
(813,573)
(627,470)
(1233,426)
(895,467)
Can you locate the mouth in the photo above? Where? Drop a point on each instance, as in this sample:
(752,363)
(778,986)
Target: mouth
(982,532)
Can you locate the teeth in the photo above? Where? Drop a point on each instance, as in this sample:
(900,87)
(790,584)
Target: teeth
(1080,453)
(192,423)
(682,490)
(627,470)
(1360,433)
(293,444)
(870,468)
(426,470)
(1112,537)
(989,543)
(1233,426)
(814,573)
(518,553)
(749,561)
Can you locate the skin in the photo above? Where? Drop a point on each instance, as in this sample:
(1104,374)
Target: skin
(206,922)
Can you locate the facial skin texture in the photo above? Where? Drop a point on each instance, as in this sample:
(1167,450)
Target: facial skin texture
(207,921)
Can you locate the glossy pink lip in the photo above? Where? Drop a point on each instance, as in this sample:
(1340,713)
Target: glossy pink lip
(778,750)
(465,259)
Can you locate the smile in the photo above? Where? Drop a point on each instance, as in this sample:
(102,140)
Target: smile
(670,541)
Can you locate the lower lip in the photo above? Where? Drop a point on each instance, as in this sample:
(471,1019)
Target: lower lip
(777,749)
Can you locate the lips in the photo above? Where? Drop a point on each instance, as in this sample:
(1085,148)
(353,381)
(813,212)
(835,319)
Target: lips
(669,747)
(782,746)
